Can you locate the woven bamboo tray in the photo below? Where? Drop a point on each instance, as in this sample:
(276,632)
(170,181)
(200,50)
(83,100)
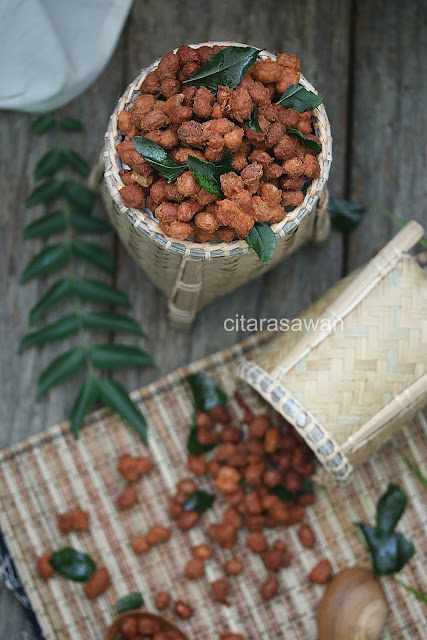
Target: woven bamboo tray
(193,274)
(52,473)
(356,377)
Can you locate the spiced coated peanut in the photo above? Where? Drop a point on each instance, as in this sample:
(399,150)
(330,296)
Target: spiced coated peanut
(97,583)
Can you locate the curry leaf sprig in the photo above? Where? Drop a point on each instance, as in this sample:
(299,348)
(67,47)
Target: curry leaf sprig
(70,217)
(389,549)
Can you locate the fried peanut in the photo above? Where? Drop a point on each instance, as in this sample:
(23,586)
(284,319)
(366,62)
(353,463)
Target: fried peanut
(97,583)
(162,600)
(44,567)
(321,573)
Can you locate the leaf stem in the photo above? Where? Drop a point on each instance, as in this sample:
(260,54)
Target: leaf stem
(69,233)
(421,596)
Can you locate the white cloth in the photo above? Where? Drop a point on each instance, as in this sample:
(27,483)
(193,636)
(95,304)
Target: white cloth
(52,50)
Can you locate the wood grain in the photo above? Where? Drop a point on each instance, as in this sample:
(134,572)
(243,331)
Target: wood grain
(375,98)
(388,162)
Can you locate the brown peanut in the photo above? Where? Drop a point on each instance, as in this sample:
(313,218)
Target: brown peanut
(97,583)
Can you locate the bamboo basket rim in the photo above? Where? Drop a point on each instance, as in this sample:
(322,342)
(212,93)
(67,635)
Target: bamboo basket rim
(141,219)
(272,384)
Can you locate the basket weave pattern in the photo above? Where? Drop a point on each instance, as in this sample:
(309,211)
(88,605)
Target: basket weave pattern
(194,274)
(348,386)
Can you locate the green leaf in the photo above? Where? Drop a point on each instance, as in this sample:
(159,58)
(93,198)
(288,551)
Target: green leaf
(199,501)
(73,565)
(49,163)
(70,124)
(194,447)
(85,223)
(60,369)
(345,216)
(111,321)
(84,401)
(415,592)
(262,240)
(100,292)
(44,226)
(390,508)
(79,195)
(208,173)
(227,67)
(76,162)
(93,253)
(253,122)
(300,99)
(42,124)
(45,192)
(157,157)
(311,144)
(130,602)
(48,260)
(118,356)
(115,396)
(57,292)
(206,393)
(290,496)
(399,221)
(413,467)
(57,330)
(389,551)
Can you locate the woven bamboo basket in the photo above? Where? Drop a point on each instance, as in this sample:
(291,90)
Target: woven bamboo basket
(192,274)
(358,372)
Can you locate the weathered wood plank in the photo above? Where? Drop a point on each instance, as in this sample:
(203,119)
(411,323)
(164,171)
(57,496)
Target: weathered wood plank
(298,281)
(20,415)
(388,164)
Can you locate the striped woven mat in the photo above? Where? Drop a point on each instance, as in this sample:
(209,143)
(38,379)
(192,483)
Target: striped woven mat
(51,473)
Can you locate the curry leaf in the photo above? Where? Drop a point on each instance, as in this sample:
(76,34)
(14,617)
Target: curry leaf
(117,356)
(93,253)
(130,602)
(208,173)
(390,508)
(49,163)
(45,192)
(300,99)
(57,292)
(70,124)
(389,551)
(100,292)
(199,501)
(253,122)
(290,496)
(73,565)
(60,369)
(76,162)
(86,223)
(111,321)
(44,226)
(227,67)
(84,401)
(312,144)
(345,216)
(57,330)
(42,124)
(79,195)
(206,393)
(48,260)
(194,447)
(262,240)
(115,396)
(157,157)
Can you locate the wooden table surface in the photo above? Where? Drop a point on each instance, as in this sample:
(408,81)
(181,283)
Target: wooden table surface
(366,60)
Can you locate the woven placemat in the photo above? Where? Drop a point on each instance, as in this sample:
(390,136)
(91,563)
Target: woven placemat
(51,473)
